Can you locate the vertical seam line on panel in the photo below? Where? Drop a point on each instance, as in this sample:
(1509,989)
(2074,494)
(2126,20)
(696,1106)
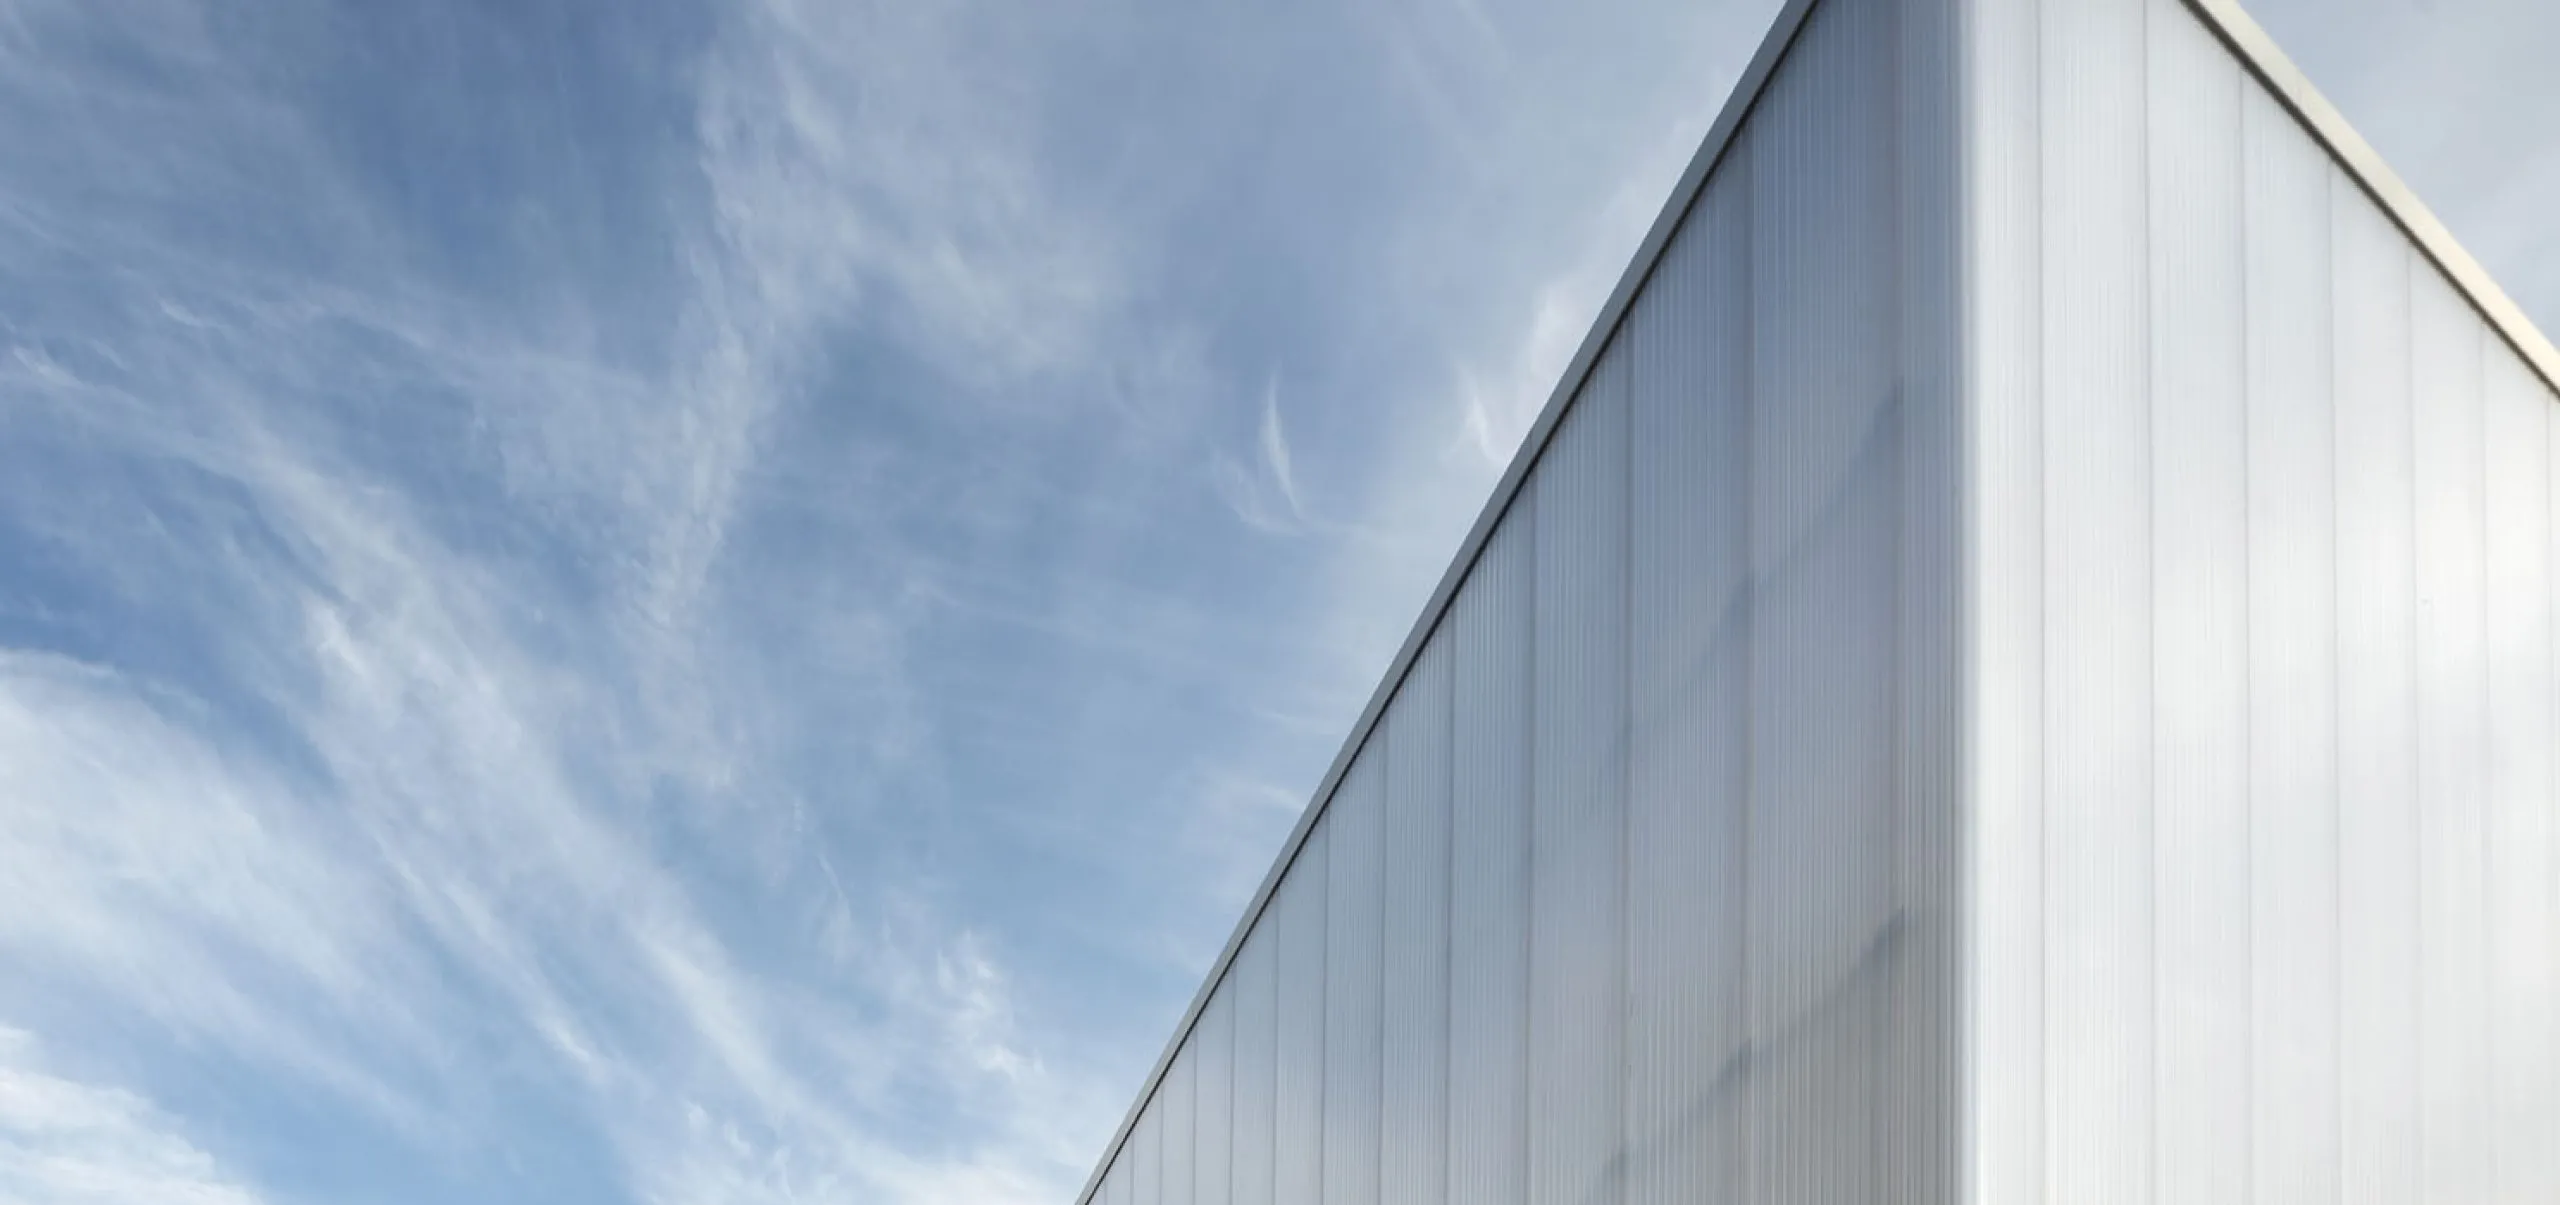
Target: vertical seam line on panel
(1233,1074)
(2337,693)
(1381,801)
(1625,736)
(1448,926)
(2249,802)
(2417,723)
(1746,200)
(2551,727)
(1882,1116)
(1528,1164)
(2150,1113)
(2489,784)
(2040,582)
(1966,822)
(1272,1173)
(1887,1029)
(2551,723)
(1324,993)
(1626,723)
(2337,666)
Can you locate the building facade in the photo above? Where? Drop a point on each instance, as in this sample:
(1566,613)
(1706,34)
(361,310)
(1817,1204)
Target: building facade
(2018,666)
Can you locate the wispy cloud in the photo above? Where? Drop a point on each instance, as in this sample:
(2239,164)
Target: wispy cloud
(66,1142)
(408,780)
(1262,489)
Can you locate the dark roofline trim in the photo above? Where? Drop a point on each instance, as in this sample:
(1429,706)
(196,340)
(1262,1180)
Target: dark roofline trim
(2268,62)
(1737,107)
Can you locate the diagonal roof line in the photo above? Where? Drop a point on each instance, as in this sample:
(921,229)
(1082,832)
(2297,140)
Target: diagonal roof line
(2250,43)
(1737,106)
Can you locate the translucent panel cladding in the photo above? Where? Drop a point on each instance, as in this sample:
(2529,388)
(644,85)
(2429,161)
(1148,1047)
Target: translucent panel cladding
(2445,342)
(2199,577)
(1577,1054)
(2264,840)
(1212,1054)
(2097,555)
(2370,269)
(1689,615)
(1252,989)
(1297,918)
(1933,661)
(1176,1130)
(2291,731)
(2524,1128)
(2004,318)
(2548,1169)
(1145,1152)
(1826,937)
(1488,628)
(1354,991)
(1414,1113)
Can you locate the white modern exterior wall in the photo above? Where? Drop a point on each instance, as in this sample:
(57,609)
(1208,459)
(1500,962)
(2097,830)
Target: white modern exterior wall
(1641,883)
(2263,795)
(2018,667)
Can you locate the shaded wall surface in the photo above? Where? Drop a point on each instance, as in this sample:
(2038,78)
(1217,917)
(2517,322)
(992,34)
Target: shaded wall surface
(1642,887)
(2265,786)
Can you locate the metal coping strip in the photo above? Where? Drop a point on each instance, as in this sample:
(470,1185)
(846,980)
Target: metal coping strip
(2230,24)
(2266,61)
(1746,93)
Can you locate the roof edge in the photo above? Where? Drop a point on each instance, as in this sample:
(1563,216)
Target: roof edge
(1719,138)
(2269,63)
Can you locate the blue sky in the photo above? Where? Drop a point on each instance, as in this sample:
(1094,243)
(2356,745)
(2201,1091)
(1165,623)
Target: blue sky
(722,602)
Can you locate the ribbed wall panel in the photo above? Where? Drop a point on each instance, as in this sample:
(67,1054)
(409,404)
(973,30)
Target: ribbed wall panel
(2377,686)
(1354,987)
(1932,658)
(1489,630)
(2005,960)
(1414,1142)
(1212,1054)
(1688,1054)
(2293,840)
(1298,917)
(1252,987)
(1577,1053)
(1825,441)
(1146,1159)
(2098,703)
(1178,1132)
(2199,612)
(2523,1129)
(2445,349)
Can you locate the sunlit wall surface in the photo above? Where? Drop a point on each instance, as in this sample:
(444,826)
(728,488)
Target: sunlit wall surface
(2265,796)
(1642,887)
(2023,670)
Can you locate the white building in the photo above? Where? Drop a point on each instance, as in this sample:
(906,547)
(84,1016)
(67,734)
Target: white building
(2018,666)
